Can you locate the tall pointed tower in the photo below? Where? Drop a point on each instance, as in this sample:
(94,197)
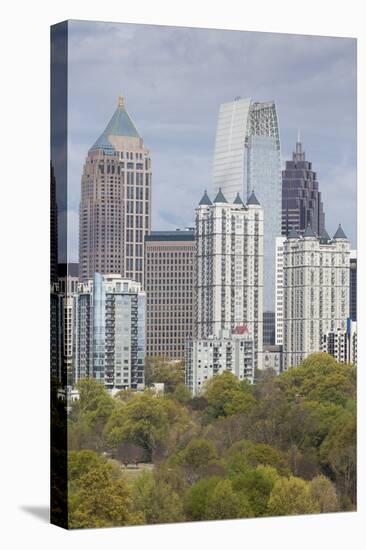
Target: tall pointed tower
(115,201)
(301,199)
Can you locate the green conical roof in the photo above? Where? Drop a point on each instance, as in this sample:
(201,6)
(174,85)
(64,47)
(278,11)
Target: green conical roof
(253,199)
(238,200)
(324,236)
(339,234)
(309,232)
(220,196)
(119,125)
(293,234)
(205,201)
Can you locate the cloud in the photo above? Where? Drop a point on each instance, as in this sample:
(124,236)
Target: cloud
(174,80)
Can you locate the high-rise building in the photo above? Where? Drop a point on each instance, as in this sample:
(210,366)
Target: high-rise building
(301,199)
(279,290)
(169,270)
(109,332)
(229,269)
(208,357)
(68,280)
(115,204)
(248,157)
(353,285)
(315,291)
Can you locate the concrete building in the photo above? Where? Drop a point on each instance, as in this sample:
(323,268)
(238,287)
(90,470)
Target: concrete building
(207,357)
(115,204)
(279,291)
(68,281)
(301,199)
(272,358)
(248,156)
(169,271)
(229,269)
(353,285)
(315,291)
(342,345)
(109,332)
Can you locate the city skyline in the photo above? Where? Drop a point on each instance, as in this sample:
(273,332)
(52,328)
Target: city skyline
(178,120)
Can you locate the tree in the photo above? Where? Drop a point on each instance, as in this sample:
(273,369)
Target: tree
(89,415)
(143,421)
(291,496)
(248,453)
(198,496)
(226,395)
(224,503)
(96,497)
(196,458)
(324,493)
(171,374)
(338,454)
(158,502)
(319,378)
(256,485)
(182,394)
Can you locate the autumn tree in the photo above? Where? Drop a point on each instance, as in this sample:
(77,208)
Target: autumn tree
(291,496)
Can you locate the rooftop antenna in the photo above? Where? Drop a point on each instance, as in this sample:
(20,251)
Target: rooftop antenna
(298,136)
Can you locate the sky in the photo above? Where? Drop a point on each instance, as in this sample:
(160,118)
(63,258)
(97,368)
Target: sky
(174,80)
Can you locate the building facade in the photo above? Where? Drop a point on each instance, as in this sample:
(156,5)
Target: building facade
(169,272)
(115,204)
(208,357)
(342,345)
(353,285)
(279,291)
(248,157)
(272,358)
(109,332)
(315,291)
(68,281)
(301,199)
(229,269)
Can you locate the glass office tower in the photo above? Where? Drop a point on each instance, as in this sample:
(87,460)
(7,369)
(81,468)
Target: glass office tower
(248,157)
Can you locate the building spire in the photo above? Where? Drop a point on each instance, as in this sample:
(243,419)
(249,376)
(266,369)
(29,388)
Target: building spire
(121,101)
(298,136)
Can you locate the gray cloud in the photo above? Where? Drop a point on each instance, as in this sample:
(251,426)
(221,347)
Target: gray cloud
(174,80)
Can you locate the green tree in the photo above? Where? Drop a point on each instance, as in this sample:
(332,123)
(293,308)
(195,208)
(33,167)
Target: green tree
(144,420)
(196,458)
(225,503)
(197,497)
(89,415)
(171,373)
(291,496)
(226,395)
(96,497)
(320,378)
(256,485)
(157,501)
(248,453)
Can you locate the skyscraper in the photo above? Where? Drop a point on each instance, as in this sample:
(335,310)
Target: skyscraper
(115,201)
(109,332)
(169,271)
(248,157)
(229,268)
(301,198)
(315,291)
(353,285)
